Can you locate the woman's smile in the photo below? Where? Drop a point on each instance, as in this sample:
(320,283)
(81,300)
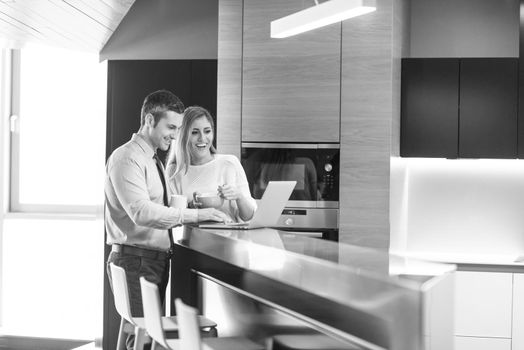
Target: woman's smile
(200,141)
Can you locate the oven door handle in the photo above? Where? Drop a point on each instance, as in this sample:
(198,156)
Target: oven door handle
(280,145)
(291,145)
(303,233)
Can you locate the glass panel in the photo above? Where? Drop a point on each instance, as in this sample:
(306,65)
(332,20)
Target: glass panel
(52,278)
(62,127)
(274,164)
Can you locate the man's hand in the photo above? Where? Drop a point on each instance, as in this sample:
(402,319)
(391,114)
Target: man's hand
(212,214)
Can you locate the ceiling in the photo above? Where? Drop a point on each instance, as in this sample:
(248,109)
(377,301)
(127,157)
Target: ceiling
(76,24)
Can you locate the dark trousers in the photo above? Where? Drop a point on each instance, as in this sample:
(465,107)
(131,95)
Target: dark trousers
(154,270)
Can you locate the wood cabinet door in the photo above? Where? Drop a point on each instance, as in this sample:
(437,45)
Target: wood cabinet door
(290,86)
(429,107)
(488,107)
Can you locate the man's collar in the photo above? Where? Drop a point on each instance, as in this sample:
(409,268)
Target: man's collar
(139,139)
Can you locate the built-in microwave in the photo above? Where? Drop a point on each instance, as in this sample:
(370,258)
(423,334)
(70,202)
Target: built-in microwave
(315,167)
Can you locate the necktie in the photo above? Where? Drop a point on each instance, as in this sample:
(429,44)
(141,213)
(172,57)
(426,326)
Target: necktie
(160,169)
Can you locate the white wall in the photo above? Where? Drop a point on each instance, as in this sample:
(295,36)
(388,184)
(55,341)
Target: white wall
(457,206)
(166,29)
(464,28)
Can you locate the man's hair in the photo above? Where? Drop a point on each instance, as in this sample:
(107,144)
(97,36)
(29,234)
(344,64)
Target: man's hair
(159,102)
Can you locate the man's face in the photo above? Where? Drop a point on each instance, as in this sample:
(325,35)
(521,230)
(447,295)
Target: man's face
(165,131)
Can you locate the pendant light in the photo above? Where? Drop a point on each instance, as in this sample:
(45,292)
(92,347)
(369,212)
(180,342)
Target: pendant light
(320,15)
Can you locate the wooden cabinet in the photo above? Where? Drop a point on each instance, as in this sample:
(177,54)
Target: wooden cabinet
(488,108)
(429,105)
(290,86)
(464,108)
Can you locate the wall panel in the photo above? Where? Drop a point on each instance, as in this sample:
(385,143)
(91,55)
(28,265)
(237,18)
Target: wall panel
(367,112)
(229,84)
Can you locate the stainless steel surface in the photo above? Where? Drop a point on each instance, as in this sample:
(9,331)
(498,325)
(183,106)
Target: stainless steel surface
(301,204)
(406,300)
(318,195)
(312,204)
(329,145)
(291,145)
(240,314)
(308,234)
(311,218)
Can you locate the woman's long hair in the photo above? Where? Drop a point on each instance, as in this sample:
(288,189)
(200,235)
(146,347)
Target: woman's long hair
(181,155)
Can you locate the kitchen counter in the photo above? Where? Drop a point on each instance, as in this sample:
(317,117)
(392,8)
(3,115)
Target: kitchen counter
(471,262)
(277,282)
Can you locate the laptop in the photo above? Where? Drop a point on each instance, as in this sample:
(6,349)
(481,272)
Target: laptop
(269,208)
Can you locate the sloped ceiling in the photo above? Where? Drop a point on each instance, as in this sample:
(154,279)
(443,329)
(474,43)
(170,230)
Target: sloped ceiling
(76,24)
(166,29)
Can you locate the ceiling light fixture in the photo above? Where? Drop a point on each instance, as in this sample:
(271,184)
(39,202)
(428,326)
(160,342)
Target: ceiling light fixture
(320,15)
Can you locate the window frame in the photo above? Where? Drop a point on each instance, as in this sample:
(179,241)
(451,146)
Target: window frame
(5,88)
(14,205)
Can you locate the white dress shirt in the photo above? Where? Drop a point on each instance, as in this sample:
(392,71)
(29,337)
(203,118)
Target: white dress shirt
(134,207)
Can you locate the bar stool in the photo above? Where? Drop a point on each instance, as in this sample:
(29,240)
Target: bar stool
(137,324)
(190,338)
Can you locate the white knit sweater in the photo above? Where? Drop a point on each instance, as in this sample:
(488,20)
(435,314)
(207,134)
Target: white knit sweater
(223,169)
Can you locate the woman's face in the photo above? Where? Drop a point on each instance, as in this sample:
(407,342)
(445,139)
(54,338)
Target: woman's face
(200,140)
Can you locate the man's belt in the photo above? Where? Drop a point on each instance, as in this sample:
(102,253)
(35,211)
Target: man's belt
(143,252)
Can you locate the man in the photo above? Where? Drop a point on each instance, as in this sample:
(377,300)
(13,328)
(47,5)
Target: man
(137,219)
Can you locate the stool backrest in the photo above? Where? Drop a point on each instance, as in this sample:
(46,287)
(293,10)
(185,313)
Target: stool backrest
(121,292)
(153,311)
(188,329)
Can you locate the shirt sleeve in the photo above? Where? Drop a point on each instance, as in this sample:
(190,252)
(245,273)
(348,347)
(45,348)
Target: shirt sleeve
(241,180)
(129,183)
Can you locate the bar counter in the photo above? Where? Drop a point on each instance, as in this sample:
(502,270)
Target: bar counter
(268,283)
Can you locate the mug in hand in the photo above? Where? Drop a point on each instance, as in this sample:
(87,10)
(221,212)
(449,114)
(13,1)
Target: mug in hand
(178,201)
(210,200)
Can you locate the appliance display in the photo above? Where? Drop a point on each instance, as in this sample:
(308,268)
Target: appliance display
(313,204)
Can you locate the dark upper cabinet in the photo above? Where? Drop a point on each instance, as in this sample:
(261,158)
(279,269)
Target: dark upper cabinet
(429,107)
(129,82)
(488,108)
(464,108)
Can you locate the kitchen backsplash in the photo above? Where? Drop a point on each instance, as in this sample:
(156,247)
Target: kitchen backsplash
(457,206)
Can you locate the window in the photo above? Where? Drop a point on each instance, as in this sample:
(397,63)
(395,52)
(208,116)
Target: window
(53,103)
(52,278)
(57,131)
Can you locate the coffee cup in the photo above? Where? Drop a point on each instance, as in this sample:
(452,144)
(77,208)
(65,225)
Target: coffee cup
(178,201)
(210,200)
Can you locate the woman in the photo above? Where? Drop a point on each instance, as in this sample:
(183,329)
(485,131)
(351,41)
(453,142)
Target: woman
(200,169)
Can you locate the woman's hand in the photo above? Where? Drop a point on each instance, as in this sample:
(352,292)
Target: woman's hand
(229,192)
(245,207)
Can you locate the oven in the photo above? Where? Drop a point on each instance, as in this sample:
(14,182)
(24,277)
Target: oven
(313,206)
